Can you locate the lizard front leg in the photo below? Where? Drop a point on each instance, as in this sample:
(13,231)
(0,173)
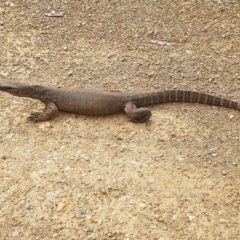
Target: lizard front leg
(50,111)
(137,115)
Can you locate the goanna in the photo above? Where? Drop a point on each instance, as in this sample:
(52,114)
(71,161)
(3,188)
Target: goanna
(98,103)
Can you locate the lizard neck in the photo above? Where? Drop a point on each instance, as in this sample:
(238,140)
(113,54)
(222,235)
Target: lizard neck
(38,92)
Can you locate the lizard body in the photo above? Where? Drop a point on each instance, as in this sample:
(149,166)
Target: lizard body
(97,103)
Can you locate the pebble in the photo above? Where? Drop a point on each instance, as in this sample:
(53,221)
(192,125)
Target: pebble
(222,220)
(62,147)
(188,51)
(15,233)
(70,73)
(28,206)
(4,74)
(3,156)
(224,173)
(179,158)
(103,190)
(67,169)
(41,217)
(2,10)
(165,228)
(13,167)
(82,212)
(142,205)
(58,179)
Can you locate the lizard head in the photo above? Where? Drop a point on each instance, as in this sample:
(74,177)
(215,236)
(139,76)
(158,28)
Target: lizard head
(18,89)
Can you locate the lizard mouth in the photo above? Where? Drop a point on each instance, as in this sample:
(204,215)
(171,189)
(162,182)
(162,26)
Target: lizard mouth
(7,89)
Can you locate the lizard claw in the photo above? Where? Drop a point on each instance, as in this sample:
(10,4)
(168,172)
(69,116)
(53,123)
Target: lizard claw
(33,116)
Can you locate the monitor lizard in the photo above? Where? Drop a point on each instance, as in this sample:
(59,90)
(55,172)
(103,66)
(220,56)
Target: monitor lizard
(97,103)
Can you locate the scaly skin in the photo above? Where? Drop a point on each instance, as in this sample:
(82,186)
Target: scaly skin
(95,102)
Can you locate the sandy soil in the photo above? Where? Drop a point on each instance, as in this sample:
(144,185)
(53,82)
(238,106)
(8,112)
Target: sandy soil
(79,177)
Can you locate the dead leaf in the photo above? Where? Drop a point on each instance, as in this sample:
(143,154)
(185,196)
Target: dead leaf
(62,205)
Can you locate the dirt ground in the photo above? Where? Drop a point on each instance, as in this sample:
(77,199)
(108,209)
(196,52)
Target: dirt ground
(82,177)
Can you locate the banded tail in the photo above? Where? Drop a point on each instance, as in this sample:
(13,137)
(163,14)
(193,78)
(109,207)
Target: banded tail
(183,96)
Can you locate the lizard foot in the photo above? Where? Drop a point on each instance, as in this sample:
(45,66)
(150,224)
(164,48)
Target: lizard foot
(33,117)
(49,112)
(137,115)
(141,120)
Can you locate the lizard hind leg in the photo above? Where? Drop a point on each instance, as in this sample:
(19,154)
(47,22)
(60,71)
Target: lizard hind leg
(49,112)
(137,115)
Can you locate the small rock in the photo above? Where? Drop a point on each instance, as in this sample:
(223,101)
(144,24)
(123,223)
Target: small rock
(179,158)
(222,220)
(3,157)
(62,147)
(48,125)
(15,233)
(83,212)
(224,173)
(231,116)
(67,169)
(175,216)
(142,205)
(2,10)
(4,74)
(103,190)
(190,217)
(165,228)
(28,206)
(58,179)
(150,74)
(188,51)
(214,154)
(119,138)
(13,167)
